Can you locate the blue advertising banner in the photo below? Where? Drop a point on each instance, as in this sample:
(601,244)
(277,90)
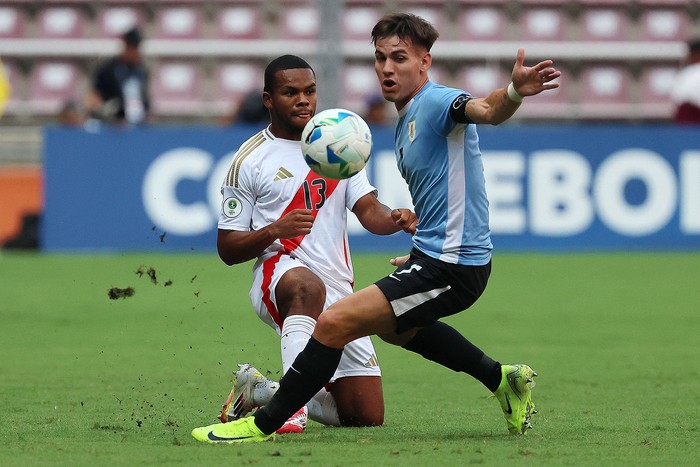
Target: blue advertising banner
(551,188)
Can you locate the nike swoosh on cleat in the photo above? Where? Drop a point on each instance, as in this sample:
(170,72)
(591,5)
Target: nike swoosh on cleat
(510,410)
(213,437)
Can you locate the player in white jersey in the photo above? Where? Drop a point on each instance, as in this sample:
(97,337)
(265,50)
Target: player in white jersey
(437,154)
(294,222)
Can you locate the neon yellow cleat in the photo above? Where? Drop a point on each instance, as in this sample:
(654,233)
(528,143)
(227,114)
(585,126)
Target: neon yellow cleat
(238,431)
(515,396)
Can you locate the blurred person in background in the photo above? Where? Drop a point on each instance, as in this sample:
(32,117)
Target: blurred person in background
(686,90)
(252,110)
(376,110)
(120,87)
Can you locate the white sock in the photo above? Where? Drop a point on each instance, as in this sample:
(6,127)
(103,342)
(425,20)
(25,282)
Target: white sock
(296,332)
(322,408)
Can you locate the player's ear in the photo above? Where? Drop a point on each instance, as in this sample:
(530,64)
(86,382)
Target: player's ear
(267,100)
(426,62)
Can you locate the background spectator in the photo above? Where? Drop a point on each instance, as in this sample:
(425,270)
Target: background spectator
(120,87)
(376,110)
(251,110)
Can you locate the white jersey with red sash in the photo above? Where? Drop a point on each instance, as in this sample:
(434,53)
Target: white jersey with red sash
(267,179)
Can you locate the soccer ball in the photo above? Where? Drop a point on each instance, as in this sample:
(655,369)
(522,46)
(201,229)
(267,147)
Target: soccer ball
(336,143)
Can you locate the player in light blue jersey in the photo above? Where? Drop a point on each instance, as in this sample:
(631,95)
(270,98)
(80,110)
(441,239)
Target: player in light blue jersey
(440,159)
(437,152)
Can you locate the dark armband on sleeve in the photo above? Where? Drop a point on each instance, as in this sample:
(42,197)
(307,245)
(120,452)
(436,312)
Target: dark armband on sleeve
(458,109)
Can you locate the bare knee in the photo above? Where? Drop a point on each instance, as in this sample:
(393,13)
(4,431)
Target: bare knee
(300,292)
(333,330)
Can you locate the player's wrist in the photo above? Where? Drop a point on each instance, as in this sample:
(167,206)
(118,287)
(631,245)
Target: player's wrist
(513,94)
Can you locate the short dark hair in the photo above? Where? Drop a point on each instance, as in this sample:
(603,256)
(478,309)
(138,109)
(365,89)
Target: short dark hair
(285,62)
(132,37)
(406,26)
(694,46)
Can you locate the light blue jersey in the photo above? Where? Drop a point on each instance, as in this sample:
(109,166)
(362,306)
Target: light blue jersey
(441,162)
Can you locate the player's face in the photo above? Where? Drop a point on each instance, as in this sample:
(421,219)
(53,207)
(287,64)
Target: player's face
(402,68)
(292,102)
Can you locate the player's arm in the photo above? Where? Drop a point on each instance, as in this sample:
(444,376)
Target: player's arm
(502,103)
(382,220)
(235,246)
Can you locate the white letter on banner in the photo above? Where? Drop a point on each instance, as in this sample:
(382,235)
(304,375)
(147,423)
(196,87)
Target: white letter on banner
(609,192)
(503,171)
(690,192)
(160,191)
(558,189)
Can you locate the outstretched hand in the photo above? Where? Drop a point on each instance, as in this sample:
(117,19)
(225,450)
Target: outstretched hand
(529,81)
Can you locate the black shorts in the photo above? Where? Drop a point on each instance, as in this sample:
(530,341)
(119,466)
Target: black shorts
(425,289)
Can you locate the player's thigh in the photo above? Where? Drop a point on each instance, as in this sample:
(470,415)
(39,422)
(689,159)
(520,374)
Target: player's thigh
(424,289)
(364,313)
(360,400)
(266,277)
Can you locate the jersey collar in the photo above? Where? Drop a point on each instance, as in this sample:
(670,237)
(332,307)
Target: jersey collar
(426,86)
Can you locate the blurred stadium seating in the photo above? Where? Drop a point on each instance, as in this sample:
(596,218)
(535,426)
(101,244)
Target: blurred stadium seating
(12,21)
(64,22)
(52,83)
(206,55)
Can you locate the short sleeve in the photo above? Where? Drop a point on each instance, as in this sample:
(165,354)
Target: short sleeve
(439,102)
(358,186)
(238,199)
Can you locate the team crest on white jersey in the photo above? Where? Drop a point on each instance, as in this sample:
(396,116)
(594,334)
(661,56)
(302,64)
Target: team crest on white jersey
(232,208)
(411,130)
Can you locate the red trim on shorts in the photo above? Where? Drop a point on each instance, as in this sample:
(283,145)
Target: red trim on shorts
(268,270)
(346,250)
(291,244)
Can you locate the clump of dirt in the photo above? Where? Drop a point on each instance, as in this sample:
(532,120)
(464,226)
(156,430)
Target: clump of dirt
(150,272)
(115,293)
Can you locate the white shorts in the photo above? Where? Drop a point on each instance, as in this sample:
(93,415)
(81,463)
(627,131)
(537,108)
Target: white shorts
(359,357)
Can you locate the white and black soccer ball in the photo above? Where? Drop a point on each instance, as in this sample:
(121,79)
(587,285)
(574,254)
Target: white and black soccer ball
(336,143)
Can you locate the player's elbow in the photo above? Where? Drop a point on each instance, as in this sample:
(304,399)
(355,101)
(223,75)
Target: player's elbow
(228,258)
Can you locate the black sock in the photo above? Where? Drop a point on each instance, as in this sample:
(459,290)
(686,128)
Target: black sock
(442,344)
(312,368)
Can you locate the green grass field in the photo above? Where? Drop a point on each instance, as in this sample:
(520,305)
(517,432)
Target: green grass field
(86,380)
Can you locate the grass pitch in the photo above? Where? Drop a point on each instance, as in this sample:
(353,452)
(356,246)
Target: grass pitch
(89,380)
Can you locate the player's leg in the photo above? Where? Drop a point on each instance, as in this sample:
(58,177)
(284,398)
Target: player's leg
(439,342)
(442,344)
(299,298)
(355,397)
(360,314)
(423,290)
(251,389)
(360,400)
(357,383)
